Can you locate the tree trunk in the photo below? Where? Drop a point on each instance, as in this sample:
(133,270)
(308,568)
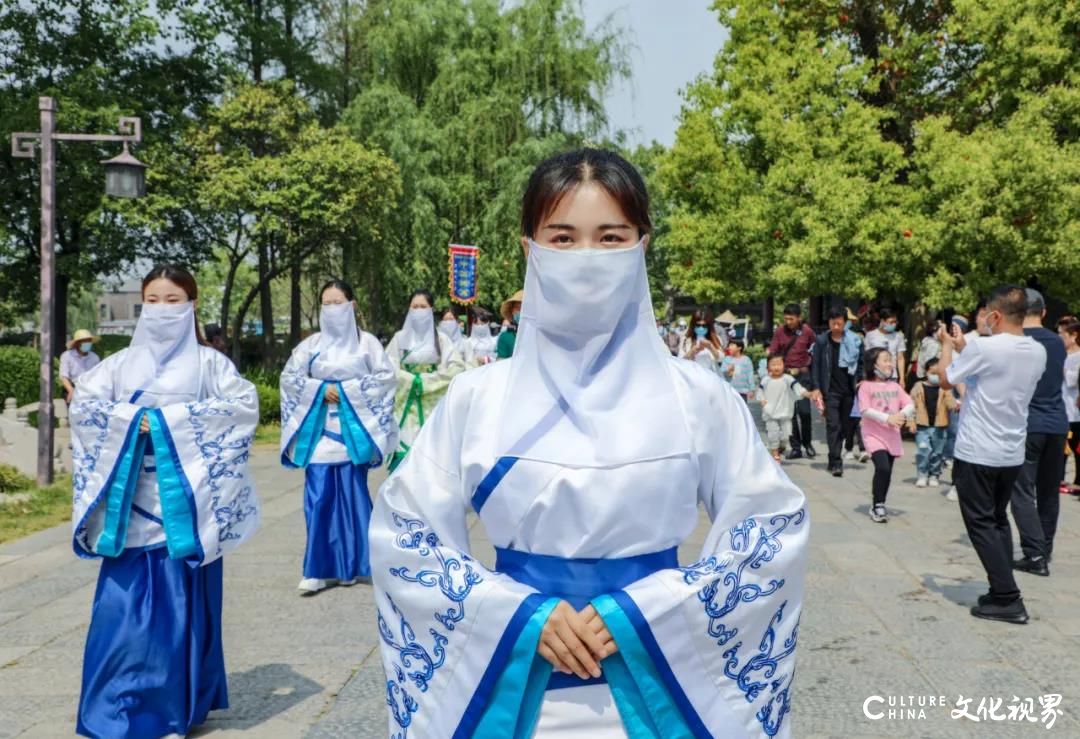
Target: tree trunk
(266,305)
(768,313)
(294,304)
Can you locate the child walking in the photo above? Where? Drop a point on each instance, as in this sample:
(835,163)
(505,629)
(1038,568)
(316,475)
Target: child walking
(738,369)
(933,407)
(885,407)
(779,393)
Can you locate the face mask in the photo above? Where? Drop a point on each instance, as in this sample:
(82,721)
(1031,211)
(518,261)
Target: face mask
(933,379)
(447,327)
(987,331)
(165,322)
(420,319)
(481,330)
(847,326)
(85,347)
(889,328)
(336,320)
(700,331)
(517,316)
(881,374)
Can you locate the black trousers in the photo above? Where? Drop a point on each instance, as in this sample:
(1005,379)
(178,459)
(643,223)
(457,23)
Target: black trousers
(1074,445)
(984,494)
(839,425)
(883,464)
(1035,497)
(801,429)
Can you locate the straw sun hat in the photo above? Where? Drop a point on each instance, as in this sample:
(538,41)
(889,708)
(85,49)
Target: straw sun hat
(82,335)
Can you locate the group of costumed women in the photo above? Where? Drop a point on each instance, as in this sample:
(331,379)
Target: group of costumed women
(584,457)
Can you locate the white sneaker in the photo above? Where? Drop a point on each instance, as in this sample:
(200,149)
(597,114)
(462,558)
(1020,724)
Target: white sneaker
(878,514)
(951,495)
(850,456)
(864,457)
(921,482)
(311,585)
(933,482)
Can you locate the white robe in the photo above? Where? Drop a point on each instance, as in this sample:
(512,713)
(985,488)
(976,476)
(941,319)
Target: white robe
(435,384)
(209,437)
(371,397)
(726,625)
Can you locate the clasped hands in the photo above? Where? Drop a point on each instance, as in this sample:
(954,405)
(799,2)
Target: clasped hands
(575,642)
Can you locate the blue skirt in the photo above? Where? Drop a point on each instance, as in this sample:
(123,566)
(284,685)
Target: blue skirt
(153,664)
(337,508)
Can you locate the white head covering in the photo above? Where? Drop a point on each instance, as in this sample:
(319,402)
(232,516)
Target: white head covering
(339,356)
(482,340)
(602,394)
(162,363)
(417,337)
(452,331)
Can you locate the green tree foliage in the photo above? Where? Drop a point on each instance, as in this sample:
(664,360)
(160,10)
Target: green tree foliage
(261,170)
(100,61)
(917,150)
(467,96)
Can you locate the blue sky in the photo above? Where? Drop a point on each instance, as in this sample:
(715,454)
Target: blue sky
(671,43)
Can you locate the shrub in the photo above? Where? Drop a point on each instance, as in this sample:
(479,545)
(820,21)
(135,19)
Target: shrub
(111,344)
(19,374)
(269,403)
(12,481)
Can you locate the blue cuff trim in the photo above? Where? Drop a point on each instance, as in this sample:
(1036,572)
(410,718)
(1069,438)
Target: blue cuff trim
(358,441)
(178,511)
(119,491)
(481,698)
(629,608)
(308,433)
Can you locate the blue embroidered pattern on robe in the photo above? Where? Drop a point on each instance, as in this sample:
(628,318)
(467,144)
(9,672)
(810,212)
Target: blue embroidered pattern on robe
(379,403)
(418,663)
(759,545)
(85,459)
(236,512)
(224,456)
(290,399)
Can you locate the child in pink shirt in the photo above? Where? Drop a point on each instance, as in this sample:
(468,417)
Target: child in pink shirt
(885,407)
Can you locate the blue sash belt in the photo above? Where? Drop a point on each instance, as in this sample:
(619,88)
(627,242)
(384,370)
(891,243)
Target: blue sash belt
(578,581)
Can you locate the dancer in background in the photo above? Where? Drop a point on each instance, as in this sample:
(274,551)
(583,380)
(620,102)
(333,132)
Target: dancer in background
(425,361)
(450,327)
(337,422)
(585,457)
(482,341)
(161,433)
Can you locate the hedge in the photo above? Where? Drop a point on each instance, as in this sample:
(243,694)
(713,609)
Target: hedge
(19,374)
(111,344)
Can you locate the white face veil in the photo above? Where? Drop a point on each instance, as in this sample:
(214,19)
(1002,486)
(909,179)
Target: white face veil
(339,356)
(417,338)
(589,380)
(162,363)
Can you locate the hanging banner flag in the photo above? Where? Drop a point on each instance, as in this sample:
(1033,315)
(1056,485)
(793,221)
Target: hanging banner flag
(464,274)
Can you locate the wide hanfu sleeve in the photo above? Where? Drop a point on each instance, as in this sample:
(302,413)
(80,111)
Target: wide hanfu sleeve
(300,397)
(711,646)
(367,403)
(201,450)
(105,455)
(450,628)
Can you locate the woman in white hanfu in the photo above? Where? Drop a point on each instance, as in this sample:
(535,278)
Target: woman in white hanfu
(481,339)
(161,433)
(337,422)
(585,458)
(425,361)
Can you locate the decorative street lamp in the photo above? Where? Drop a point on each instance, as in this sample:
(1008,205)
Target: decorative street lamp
(124,177)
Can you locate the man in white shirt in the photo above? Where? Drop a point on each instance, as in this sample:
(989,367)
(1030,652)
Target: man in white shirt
(1000,372)
(888,336)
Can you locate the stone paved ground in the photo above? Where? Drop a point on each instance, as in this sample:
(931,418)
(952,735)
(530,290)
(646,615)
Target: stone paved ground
(886,614)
